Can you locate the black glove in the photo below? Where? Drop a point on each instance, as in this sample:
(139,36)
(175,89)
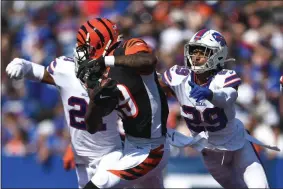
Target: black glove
(92,81)
(95,66)
(106,95)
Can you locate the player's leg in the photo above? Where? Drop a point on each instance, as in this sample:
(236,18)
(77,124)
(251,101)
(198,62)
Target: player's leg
(86,168)
(248,167)
(219,164)
(134,167)
(83,174)
(107,160)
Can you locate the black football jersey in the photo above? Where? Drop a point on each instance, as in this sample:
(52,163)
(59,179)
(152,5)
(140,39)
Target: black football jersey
(142,105)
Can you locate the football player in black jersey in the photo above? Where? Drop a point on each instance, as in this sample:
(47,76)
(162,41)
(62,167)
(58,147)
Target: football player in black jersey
(120,76)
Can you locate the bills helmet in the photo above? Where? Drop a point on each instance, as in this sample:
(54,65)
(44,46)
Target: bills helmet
(215,49)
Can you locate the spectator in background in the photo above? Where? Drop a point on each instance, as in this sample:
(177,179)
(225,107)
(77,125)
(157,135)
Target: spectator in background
(14,137)
(44,131)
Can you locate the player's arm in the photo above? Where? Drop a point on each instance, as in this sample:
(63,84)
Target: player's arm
(136,54)
(221,98)
(227,93)
(224,97)
(172,78)
(143,62)
(165,86)
(21,68)
(93,117)
(103,100)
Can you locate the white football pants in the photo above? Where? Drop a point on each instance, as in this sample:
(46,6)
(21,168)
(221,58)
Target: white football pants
(236,169)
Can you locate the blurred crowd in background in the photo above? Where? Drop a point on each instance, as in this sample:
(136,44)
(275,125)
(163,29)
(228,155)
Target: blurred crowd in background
(32,113)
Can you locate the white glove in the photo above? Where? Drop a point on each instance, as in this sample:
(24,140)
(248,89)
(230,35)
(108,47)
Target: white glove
(17,69)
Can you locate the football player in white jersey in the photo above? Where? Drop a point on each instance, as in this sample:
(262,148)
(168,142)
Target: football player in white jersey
(207,93)
(88,148)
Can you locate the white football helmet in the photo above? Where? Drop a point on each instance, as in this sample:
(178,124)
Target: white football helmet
(214,46)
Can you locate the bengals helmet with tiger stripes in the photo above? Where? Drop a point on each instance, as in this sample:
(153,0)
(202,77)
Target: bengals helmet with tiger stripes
(95,38)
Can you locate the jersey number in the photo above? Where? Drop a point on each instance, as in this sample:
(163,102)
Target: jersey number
(210,116)
(127,104)
(182,71)
(77,116)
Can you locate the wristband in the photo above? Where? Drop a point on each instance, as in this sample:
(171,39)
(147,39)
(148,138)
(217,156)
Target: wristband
(109,61)
(33,71)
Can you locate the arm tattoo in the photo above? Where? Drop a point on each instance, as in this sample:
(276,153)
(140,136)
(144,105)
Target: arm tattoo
(140,61)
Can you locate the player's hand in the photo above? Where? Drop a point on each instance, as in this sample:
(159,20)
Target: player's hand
(106,95)
(84,69)
(99,65)
(199,93)
(93,79)
(69,159)
(15,69)
(96,66)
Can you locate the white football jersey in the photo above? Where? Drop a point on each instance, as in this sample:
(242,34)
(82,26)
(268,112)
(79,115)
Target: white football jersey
(223,130)
(75,100)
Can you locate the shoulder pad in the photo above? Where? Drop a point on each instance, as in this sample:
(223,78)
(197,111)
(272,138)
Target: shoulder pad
(58,64)
(175,75)
(227,78)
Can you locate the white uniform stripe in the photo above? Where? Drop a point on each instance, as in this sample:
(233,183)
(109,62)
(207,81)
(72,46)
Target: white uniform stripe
(166,77)
(155,103)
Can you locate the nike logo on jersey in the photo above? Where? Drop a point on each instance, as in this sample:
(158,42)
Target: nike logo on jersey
(104,96)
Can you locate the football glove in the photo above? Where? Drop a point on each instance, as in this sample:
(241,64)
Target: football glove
(16,69)
(199,93)
(105,94)
(93,79)
(95,66)
(20,68)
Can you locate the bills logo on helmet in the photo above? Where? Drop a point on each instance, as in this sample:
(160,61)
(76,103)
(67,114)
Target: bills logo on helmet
(199,34)
(219,38)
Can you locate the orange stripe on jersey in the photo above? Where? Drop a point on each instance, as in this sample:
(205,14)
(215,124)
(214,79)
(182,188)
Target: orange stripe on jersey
(135,45)
(152,160)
